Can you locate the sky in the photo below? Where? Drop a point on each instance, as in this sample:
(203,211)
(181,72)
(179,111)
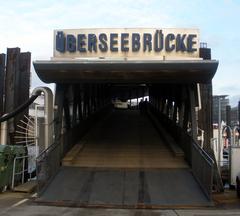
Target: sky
(30,24)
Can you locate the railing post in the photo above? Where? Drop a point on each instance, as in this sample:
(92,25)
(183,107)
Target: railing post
(13,173)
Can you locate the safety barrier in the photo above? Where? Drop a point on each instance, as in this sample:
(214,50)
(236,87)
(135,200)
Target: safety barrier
(48,164)
(200,162)
(49,161)
(202,168)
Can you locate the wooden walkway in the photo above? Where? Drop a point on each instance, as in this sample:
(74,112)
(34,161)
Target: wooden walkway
(123,162)
(164,188)
(125,139)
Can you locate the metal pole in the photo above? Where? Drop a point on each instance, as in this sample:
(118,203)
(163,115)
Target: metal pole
(23,169)
(4,132)
(219,132)
(230,151)
(13,173)
(48,114)
(36,131)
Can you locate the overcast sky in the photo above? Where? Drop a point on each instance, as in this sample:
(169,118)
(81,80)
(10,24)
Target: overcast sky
(30,24)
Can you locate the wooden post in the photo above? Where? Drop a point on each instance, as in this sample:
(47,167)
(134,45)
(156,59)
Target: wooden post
(58,113)
(174,118)
(12,87)
(24,83)
(85,110)
(2,81)
(205,114)
(75,103)
(205,123)
(80,114)
(66,109)
(137,96)
(193,113)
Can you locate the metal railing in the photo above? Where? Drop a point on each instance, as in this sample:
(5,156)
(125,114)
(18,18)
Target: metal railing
(49,161)
(19,172)
(200,162)
(181,137)
(47,166)
(202,168)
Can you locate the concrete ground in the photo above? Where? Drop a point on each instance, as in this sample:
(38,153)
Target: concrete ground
(20,204)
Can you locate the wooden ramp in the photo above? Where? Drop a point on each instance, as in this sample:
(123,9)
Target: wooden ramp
(123,162)
(164,188)
(125,139)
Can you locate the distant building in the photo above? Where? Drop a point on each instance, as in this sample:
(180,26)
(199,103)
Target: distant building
(224,101)
(234,116)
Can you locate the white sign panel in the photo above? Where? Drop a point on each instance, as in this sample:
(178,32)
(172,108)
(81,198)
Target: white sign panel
(235,164)
(136,43)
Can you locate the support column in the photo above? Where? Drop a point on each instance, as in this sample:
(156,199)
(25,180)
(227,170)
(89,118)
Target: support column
(175,112)
(58,113)
(205,114)
(193,113)
(80,100)
(66,110)
(75,103)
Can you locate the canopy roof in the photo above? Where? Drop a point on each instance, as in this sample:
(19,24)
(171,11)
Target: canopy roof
(126,71)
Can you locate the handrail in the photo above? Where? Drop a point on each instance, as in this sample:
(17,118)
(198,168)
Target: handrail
(20,109)
(202,168)
(199,160)
(205,154)
(46,150)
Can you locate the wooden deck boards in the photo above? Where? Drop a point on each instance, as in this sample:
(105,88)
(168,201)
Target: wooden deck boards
(125,139)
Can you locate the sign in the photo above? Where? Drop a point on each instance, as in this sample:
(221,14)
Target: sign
(137,43)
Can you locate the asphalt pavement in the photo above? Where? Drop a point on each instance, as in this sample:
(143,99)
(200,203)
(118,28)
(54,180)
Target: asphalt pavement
(21,204)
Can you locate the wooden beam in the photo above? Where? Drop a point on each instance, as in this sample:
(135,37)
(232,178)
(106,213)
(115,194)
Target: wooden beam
(205,114)
(12,87)
(174,118)
(193,112)
(2,82)
(75,103)
(24,84)
(58,113)
(67,112)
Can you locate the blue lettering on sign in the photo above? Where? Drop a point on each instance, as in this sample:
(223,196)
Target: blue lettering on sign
(71,43)
(169,46)
(191,42)
(147,42)
(92,43)
(113,42)
(134,42)
(60,41)
(103,42)
(158,41)
(81,43)
(180,45)
(124,42)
